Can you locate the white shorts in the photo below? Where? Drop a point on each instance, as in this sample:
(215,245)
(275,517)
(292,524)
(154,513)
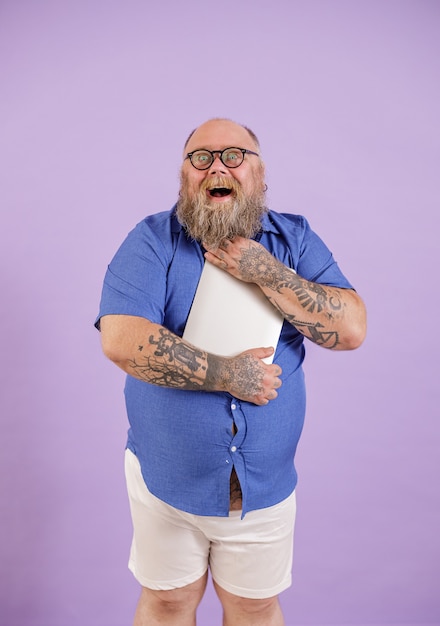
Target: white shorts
(251,558)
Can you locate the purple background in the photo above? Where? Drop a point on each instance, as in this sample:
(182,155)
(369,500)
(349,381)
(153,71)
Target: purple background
(97,99)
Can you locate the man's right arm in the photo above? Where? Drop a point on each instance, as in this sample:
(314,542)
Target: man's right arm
(155,355)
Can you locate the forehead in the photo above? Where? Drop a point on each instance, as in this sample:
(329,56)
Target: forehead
(219,134)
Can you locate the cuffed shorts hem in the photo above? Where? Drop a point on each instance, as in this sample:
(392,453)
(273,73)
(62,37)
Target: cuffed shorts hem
(165,585)
(254,594)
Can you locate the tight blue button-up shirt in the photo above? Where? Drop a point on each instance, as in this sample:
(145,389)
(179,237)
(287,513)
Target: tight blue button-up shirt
(185,440)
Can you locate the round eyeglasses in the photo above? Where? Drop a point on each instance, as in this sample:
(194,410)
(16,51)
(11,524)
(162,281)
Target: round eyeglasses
(231,157)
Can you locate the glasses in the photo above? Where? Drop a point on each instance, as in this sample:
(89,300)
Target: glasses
(231,157)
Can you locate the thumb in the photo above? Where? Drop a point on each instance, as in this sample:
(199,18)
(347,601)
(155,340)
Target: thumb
(261,353)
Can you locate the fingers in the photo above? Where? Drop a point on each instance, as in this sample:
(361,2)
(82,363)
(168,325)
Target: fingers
(262,400)
(270,383)
(217,257)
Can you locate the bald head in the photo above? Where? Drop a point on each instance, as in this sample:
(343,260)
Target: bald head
(224,133)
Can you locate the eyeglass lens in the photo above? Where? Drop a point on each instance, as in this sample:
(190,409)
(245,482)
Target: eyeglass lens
(231,157)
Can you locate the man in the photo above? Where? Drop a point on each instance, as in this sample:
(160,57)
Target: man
(212,440)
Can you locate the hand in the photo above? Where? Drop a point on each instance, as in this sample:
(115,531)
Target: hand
(247,377)
(245,259)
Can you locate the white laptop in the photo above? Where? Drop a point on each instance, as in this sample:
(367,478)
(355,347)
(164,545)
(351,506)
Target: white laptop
(229,316)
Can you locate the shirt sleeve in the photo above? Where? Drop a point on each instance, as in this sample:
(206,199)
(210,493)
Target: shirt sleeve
(135,281)
(316,262)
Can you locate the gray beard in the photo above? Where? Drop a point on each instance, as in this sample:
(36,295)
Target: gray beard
(211,223)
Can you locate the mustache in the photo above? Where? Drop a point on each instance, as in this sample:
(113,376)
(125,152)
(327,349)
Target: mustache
(220,182)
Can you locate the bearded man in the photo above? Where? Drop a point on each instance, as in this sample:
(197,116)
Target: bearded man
(212,439)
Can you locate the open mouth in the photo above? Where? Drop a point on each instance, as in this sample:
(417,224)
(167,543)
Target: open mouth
(219,192)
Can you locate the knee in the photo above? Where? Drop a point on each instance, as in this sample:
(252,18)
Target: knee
(168,601)
(248,607)
(257,607)
(174,601)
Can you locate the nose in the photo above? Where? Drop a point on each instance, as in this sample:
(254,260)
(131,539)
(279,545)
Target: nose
(217,165)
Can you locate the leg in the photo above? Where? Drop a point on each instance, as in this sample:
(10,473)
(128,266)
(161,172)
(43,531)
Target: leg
(168,556)
(251,563)
(238,611)
(176,607)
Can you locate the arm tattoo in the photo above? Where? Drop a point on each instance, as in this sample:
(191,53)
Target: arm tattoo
(171,347)
(315,331)
(317,334)
(312,296)
(173,363)
(257,266)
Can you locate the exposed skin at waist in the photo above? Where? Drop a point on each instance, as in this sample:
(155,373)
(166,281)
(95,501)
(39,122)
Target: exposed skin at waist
(235,495)
(235,498)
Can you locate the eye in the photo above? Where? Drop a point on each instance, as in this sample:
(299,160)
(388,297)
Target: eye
(231,156)
(201,158)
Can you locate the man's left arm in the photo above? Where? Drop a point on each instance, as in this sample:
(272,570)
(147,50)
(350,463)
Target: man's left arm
(332,317)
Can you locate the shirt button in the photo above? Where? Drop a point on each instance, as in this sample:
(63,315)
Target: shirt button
(233,407)
(234,449)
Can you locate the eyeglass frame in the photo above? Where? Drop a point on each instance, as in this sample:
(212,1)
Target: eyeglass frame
(220,152)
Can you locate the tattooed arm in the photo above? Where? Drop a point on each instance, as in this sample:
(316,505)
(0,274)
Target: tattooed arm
(153,354)
(329,316)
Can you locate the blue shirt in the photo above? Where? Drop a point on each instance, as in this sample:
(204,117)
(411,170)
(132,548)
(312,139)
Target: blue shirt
(184,439)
